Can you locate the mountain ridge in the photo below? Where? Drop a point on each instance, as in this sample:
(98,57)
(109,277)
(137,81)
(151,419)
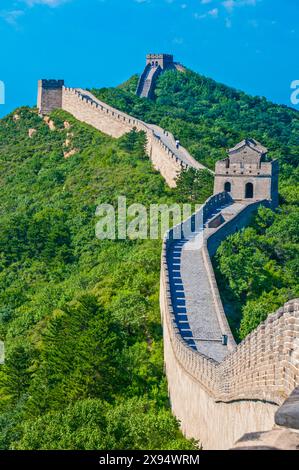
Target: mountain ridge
(58,291)
(188,96)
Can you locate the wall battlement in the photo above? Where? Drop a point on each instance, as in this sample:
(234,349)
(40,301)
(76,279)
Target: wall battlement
(49,95)
(52,84)
(156,64)
(219,401)
(85,107)
(248,173)
(161,146)
(163,60)
(223,167)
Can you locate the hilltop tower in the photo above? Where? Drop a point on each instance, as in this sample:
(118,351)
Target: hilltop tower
(155,65)
(248,174)
(163,60)
(49,95)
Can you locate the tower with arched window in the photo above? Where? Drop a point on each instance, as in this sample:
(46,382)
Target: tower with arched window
(248,173)
(156,64)
(165,61)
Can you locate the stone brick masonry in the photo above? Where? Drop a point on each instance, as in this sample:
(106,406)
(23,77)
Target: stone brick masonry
(161,146)
(168,160)
(217,402)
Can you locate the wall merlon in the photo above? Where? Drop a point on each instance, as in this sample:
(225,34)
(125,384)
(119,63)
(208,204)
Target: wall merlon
(242,392)
(255,377)
(114,123)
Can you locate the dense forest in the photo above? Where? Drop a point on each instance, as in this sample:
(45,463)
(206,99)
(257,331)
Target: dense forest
(258,268)
(79,316)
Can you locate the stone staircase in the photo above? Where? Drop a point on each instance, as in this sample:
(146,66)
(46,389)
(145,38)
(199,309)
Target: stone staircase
(218,390)
(191,295)
(147,81)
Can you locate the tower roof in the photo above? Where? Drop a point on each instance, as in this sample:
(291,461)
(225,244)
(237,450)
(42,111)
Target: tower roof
(249,149)
(249,144)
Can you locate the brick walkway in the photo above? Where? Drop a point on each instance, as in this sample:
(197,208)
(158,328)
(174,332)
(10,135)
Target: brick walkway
(191,293)
(166,137)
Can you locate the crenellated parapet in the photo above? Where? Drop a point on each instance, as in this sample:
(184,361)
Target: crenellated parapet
(161,146)
(166,156)
(156,64)
(49,95)
(162,60)
(223,391)
(218,390)
(248,173)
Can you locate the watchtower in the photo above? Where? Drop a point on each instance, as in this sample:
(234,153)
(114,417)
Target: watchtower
(49,95)
(248,174)
(164,60)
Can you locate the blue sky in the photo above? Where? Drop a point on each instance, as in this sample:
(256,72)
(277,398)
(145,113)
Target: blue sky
(252,45)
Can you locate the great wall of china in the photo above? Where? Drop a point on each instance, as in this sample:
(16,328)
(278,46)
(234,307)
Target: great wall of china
(161,145)
(219,391)
(156,64)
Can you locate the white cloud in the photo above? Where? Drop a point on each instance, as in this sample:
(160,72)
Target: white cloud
(229,5)
(49,3)
(11,16)
(213,12)
(197,16)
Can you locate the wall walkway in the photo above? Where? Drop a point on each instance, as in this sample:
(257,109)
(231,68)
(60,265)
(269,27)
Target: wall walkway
(161,146)
(220,391)
(147,81)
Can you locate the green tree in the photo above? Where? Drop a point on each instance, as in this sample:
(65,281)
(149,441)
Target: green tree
(194,185)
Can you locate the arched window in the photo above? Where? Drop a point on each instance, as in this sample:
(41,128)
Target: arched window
(228,187)
(249,191)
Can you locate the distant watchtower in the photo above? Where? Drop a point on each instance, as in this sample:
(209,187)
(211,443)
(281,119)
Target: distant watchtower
(164,60)
(155,65)
(49,95)
(248,174)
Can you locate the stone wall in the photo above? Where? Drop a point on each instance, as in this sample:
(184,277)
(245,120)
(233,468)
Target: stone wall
(164,60)
(49,95)
(216,402)
(142,79)
(82,106)
(264,178)
(219,402)
(284,435)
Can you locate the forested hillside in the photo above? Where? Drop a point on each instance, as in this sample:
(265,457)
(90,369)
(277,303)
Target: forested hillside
(209,117)
(79,316)
(257,269)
